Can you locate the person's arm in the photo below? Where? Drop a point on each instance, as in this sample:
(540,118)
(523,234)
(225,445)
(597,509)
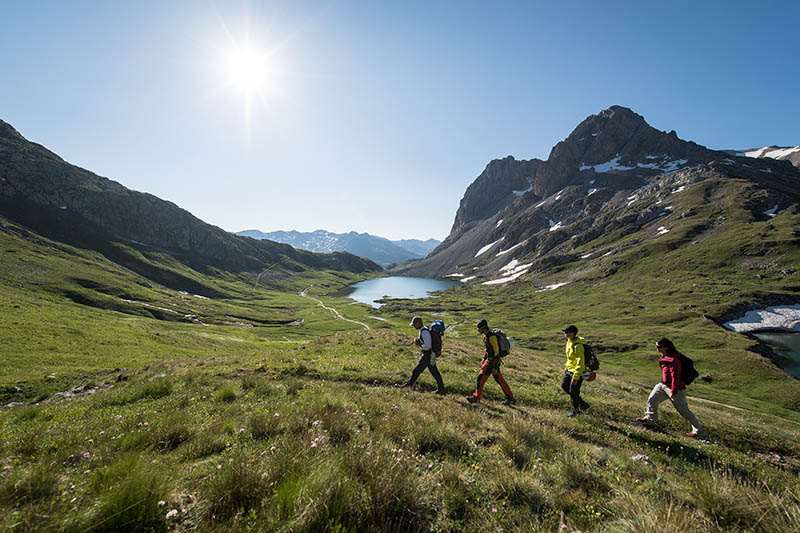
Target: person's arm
(427,344)
(675,375)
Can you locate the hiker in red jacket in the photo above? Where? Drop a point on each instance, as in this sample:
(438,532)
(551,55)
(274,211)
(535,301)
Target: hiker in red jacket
(672,388)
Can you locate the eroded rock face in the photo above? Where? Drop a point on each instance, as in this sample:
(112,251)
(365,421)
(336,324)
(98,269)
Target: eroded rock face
(499,184)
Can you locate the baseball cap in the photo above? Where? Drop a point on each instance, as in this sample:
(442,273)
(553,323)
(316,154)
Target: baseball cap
(570,328)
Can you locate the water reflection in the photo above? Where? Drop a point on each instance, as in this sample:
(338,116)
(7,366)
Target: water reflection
(370,291)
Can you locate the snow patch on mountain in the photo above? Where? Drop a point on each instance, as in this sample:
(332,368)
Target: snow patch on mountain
(552,287)
(772,212)
(773,152)
(608,166)
(487,247)
(662,230)
(529,189)
(498,223)
(503,252)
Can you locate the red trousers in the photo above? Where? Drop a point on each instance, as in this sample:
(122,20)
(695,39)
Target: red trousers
(491,367)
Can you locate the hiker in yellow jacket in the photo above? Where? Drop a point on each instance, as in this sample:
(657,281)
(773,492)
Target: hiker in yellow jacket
(574,369)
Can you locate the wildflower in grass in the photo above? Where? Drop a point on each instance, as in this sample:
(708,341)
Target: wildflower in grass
(241,430)
(172,514)
(494,509)
(86,455)
(162,503)
(6,468)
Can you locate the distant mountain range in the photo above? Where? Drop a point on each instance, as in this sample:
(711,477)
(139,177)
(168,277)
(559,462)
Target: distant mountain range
(379,249)
(137,230)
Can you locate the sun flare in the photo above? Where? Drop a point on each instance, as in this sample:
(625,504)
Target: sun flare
(246,68)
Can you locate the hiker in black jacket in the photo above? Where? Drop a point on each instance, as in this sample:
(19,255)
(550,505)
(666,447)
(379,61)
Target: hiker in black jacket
(428,357)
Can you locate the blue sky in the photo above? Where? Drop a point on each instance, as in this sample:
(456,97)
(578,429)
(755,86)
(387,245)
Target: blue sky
(375,116)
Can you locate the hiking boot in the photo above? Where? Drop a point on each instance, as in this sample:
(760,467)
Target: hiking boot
(699,436)
(585,406)
(571,414)
(646,422)
(510,401)
(440,392)
(472,399)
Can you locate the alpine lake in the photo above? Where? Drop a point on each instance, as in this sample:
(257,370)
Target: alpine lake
(373,290)
(786,344)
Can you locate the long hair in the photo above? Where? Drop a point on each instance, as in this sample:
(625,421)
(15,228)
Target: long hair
(666,343)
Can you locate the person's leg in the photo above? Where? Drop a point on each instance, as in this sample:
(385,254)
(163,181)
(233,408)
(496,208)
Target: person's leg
(659,393)
(422,364)
(682,406)
(566,381)
(498,377)
(575,394)
(482,377)
(438,377)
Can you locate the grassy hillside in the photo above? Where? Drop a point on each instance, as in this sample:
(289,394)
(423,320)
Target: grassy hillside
(180,417)
(313,437)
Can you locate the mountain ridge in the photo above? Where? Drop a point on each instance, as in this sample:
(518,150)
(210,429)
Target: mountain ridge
(610,174)
(42,191)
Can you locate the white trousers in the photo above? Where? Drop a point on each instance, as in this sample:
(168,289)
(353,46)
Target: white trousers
(661,393)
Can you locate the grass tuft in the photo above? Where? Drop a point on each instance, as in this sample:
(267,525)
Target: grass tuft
(237,487)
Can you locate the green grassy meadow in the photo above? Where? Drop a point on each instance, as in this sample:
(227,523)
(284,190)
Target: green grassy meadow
(186,418)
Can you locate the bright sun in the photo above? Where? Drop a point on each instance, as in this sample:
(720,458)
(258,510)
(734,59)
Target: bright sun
(246,68)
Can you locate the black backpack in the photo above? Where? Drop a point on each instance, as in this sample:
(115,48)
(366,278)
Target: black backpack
(436,341)
(590,359)
(502,342)
(688,372)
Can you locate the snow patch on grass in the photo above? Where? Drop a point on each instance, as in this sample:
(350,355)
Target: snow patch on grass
(552,287)
(779,316)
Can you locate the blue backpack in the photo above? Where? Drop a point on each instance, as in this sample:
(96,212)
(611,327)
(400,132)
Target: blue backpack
(437,331)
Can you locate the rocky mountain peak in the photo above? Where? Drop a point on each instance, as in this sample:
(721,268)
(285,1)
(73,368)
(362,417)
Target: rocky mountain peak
(615,140)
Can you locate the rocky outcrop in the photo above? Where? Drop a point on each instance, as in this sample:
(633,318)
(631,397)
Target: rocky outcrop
(45,193)
(499,184)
